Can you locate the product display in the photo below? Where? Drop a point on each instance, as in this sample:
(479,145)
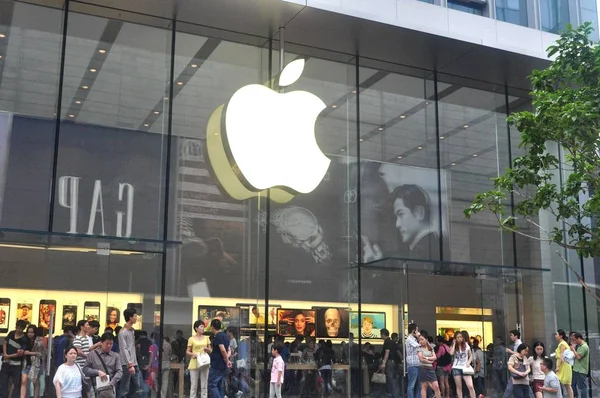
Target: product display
(24,312)
(91,310)
(47,315)
(113,317)
(333,322)
(370,323)
(4,314)
(69,315)
(296,322)
(229,316)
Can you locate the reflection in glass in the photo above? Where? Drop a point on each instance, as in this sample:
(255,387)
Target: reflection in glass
(512,11)
(471,8)
(554,14)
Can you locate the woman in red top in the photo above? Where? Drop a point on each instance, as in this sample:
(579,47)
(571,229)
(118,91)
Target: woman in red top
(444,365)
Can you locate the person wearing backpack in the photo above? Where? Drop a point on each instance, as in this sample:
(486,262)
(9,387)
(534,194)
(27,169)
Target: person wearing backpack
(444,365)
(564,356)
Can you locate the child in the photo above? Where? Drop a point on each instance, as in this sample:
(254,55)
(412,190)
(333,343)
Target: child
(276,371)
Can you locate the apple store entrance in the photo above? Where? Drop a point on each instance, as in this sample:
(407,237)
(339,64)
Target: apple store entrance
(443,298)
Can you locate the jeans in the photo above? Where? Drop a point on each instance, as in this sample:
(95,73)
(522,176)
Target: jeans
(509,388)
(479,384)
(215,382)
(326,374)
(391,379)
(203,373)
(499,380)
(413,382)
(580,385)
(275,391)
(125,389)
(521,390)
(10,374)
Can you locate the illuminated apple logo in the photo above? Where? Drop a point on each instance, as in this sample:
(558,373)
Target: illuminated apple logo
(263,139)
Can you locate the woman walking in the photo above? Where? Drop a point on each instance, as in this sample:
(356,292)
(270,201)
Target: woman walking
(463,358)
(426,372)
(537,375)
(519,369)
(67,380)
(33,370)
(564,371)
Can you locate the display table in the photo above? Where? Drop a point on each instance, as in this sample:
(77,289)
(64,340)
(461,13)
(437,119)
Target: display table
(336,366)
(179,367)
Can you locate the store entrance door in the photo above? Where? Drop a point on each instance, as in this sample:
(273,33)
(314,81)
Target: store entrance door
(443,299)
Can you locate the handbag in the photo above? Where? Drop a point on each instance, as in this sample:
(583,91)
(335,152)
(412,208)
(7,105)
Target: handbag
(379,378)
(85,386)
(203,360)
(241,363)
(520,368)
(468,371)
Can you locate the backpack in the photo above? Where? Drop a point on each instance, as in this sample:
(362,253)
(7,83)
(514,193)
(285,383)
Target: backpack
(445,359)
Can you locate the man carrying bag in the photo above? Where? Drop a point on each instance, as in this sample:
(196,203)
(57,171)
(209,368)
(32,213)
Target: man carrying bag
(104,368)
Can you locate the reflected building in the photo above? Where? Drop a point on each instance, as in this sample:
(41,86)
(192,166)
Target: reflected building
(110,198)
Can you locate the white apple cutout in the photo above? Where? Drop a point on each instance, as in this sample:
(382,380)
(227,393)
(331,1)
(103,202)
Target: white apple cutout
(271,135)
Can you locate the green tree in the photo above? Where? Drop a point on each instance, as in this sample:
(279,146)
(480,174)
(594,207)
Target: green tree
(566,103)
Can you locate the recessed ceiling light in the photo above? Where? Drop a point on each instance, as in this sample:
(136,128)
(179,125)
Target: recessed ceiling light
(419,148)
(361,140)
(453,164)
(0,56)
(84,87)
(334,106)
(194,65)
(71,115)
(475,155)
(216,133)
(156,112)
(146,125)
(102,51)
(2,35)
(399,156)
(403,117)
(380,128)
(426,102)
(180,83)
(92,70)
(466,126)
(442,137)
(78,102)
(342,150)
(353,91)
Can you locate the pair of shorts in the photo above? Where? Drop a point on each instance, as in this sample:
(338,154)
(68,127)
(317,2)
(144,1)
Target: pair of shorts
(441,372)
(537,384)
(458,372)
(427,374)
(26,370)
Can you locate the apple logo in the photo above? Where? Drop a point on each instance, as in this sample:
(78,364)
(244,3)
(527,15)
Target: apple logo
(262,139)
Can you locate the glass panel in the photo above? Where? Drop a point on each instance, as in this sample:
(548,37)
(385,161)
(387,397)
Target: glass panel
(111,160)
(30,51)
(469,8)
(555,15)
(514,11)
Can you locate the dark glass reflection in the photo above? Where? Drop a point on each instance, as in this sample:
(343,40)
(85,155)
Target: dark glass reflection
(512,11)
(555,15)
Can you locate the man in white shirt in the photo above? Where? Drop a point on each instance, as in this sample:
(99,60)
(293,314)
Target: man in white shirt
(551,388)
(412,361)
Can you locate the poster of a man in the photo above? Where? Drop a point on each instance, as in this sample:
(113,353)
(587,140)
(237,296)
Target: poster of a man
(4,314)
(24,311)
(369,323)
(332,322)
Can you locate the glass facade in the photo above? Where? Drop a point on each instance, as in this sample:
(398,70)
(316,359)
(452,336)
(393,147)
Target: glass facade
(110,200)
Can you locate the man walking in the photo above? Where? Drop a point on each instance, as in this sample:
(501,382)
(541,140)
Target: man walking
(581,367)
(104,364)
(131,371)
(515,337)
(412,361)
(389,362)
(12,361)
(551,388)
(219,360)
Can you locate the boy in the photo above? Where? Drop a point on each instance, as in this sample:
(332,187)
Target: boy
(551,388)
(276,371)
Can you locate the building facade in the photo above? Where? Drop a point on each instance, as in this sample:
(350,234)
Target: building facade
(111,198)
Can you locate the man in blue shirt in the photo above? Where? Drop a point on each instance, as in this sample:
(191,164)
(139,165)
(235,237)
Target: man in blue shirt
(219,360)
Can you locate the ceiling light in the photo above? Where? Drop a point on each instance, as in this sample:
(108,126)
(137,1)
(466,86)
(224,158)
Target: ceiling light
(71,115)
(475,155)
(353,91)
(156,112)
(334,106)
(361,140)
(403,117)
(380,128)
(180,83)
(102,51)
(78,102)
(466,126)
(92,70)
(441,137)
(194,65)
(426,102)
(419,148)
(342,150)
(0,56)
(453,164)
(2,35)
(399,156)
(84,87)
(146,125)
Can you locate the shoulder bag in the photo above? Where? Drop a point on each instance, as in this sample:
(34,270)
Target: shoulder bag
(103,364)
(520,368)
(85,386)
(379,378)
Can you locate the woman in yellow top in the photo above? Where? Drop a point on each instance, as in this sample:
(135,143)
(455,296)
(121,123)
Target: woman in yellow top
(197,345)
(564,372)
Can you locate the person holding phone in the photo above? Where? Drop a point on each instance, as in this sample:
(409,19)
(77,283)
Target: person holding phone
(413,363)
(12,361)
(463,358)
